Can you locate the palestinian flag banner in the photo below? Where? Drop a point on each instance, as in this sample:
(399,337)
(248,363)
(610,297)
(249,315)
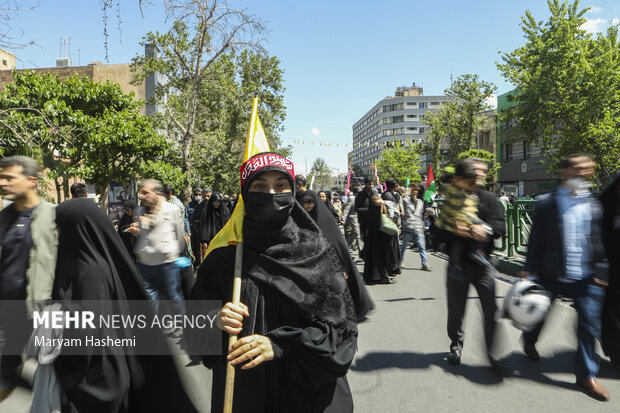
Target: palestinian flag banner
(431,188)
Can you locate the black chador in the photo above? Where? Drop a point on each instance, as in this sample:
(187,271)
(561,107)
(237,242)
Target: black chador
(297,296)
(94,265)
(212,218)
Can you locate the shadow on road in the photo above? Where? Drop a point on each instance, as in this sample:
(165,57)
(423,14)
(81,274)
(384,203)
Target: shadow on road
(395,300)
(514,365)
(560,362)
(412,360)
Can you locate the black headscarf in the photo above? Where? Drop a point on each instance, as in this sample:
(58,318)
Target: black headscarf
(330,230)
(212,219)
(94,265)
(328,204)
(227,202)
(311,195)
(284,249)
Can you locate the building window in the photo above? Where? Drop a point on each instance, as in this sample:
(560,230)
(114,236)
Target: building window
(412,103)
(391,108)
(412,116)
(526,150)
(422,105)
(508,152)
(4,63)
(422,130)
(485,139)
(435,103)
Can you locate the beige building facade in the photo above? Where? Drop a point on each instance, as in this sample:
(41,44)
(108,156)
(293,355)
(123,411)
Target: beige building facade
(96,71)
(7,60)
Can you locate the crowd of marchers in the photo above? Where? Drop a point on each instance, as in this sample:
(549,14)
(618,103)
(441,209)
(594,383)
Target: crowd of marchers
(302,294)
(573,252)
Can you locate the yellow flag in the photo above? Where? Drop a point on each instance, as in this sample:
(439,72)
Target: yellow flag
(232,233)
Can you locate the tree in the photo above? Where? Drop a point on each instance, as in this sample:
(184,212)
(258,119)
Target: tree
(219,145)
(357,174)
(456,122)
(399,162)
(166,174)
(321,172)
(439,126)
(77,127)
(202,33)
(567,88)
(494,167)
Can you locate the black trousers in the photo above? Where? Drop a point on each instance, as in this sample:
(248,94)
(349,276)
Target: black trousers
(363,227)
(195,244)
(459,277)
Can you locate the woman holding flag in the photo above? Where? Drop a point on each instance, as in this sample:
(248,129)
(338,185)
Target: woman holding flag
(296,319)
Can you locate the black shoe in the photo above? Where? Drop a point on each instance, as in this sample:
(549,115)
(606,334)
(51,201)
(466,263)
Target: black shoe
(454,357)
(530,352)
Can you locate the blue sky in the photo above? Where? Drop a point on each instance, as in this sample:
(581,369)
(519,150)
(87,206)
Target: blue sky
(340,57)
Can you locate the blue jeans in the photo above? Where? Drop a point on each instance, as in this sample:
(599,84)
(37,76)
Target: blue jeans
(419,241)
(588,298)
(164,278)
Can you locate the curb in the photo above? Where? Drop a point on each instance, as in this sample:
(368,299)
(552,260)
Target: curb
(509,266)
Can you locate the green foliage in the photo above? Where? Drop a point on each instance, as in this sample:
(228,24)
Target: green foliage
(494,167)
(214,66)
(77,127)
(321,172)
(218,150)
(454,125)
(399,161)
(165,173)
(568,84)
(357,170)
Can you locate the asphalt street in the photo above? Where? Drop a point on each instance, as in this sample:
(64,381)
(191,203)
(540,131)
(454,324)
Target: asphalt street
(401,362)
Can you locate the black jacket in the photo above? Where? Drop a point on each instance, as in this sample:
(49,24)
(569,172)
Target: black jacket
(491,212)
(545,249)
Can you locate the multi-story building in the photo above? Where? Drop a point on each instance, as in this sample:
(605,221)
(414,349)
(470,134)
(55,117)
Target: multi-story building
(399,117)
(7,60)
(95,71)
(523,170)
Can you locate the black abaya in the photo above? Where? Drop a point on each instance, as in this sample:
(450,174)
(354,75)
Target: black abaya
(94,265)
(212,219)
(380,253)
(611,239)
(331,231)
(297,296)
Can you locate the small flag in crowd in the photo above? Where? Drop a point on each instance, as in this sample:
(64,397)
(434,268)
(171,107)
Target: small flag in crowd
(431,189)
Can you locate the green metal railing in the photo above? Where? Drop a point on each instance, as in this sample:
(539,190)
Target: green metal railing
(518,226)
(518,219)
